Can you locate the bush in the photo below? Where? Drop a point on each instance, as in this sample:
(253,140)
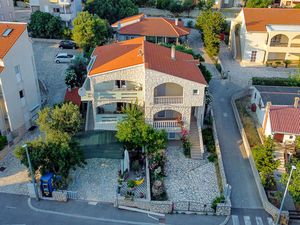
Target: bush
(207,75)
(218,66)
(187,148)
(216,201)
(163,4)
(190,24)
(276,81)
(3,142)
(208,139)
(213,157)
(130,183)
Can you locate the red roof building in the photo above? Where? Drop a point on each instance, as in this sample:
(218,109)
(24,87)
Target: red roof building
(72,96)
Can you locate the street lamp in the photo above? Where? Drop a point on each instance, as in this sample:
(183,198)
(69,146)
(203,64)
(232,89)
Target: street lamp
(31,172)
(286,189)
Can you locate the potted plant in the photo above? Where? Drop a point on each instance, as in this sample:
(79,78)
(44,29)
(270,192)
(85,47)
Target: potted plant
(287,63)
(131,184)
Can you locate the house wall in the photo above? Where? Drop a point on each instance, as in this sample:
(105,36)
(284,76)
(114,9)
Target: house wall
(189,100)
(260,107)
(7,12)
(20,112)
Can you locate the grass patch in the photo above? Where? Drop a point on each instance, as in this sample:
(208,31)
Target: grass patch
(248,123)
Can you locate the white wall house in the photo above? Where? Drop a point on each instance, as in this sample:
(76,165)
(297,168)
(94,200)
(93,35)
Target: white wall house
(7,12)
(67,10)
(265,35)
(168,84)
(19,91)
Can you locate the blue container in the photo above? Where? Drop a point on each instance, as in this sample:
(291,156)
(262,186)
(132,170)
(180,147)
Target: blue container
(47,184)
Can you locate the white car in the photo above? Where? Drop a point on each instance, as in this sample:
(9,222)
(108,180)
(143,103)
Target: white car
(64,58)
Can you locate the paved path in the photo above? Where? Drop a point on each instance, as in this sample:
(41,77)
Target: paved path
(15,210)
(249,217)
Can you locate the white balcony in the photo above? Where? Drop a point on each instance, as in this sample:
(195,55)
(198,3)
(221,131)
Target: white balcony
(168,100)
(167,125)
(65,2)
(119,96)
(66,17)
(108,121)
(87,97)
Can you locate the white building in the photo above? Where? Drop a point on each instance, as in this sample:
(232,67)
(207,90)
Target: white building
(168,84)
(7,12)
(266,35)
(67,10)
(19,91)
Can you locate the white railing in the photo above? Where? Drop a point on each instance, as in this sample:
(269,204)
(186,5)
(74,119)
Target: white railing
(108,121)
(118,95)
(88,96)
(168,100)
(165,124)
(66,17)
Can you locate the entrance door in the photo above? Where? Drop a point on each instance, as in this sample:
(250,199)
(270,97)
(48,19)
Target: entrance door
(253,56)
(278,137)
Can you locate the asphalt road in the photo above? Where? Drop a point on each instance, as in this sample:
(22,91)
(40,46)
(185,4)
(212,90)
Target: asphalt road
(15,210)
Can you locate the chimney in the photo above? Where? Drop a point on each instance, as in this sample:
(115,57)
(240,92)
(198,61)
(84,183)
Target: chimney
(176,21)
(173,55)
(296,102)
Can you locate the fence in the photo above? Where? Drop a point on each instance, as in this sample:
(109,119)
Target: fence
(72,195)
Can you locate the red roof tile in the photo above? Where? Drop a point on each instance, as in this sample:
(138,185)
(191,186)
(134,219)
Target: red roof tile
(156,26)
(155,57)
(285,119)
(257,19)
(72,96)
(128,19)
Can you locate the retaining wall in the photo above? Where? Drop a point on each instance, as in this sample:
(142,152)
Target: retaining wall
(271,209)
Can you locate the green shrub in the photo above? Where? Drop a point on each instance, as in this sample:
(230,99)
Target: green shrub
(216,201)
(3,142)
(187,147)
(276,81)
(212,158)
(130,183)
(207,75)
(218,66)
(208,139)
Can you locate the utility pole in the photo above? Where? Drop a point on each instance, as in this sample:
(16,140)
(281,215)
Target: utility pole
(284,195)
(31,172)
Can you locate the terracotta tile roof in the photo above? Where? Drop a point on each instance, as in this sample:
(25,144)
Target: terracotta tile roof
(285,119)
(72,96)
(257,19)
(156,26)
(7,42)
(138,51)
(128,19)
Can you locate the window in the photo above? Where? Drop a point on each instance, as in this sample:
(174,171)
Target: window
(21,94)
(253,56)
(56,10)
(195,92)
(120,83)
(291,137)
(172,135)
(18,74)
(161,114)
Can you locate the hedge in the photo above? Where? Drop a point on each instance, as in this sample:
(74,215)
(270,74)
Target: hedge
(276,81)
(207,75)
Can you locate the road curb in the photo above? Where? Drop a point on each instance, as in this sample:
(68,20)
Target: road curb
(86,217)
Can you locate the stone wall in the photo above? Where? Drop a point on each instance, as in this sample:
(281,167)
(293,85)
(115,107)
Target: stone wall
(223,209)
(271,209)
(60,196)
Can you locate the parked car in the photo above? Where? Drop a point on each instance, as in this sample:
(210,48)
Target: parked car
(67,44)
(64,58)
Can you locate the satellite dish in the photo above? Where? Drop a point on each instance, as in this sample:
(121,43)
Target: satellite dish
(81,92)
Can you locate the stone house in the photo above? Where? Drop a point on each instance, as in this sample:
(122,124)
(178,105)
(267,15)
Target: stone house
(166,83)
(67,10)
(155,29)
(19,91)
(265,35)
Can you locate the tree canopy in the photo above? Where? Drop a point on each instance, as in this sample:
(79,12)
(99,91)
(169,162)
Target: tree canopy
(45,25)
(211,23)
(89,30)
(294,186)
(76,72)
(112,10)
(258,3)
(265,162)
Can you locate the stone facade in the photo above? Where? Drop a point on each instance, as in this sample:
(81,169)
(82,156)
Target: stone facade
(60,196)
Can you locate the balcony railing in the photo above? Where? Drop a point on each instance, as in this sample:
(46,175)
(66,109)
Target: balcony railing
(168,100)
(87,97)
(278,44)
(66,17)
(114,96)
(166,124)
(297,45)
(108,121)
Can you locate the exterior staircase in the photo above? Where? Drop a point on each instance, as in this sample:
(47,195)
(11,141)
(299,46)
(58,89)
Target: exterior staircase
(279,155)
(197,144)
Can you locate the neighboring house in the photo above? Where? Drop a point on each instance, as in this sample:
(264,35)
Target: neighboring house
(283,122)
(261,35)
(155,29)
(168,84)
(19,91)
(67,10)
(289,3)
(277,95)
(7,12)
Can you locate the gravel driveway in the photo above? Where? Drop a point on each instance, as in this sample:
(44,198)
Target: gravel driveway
(49,72)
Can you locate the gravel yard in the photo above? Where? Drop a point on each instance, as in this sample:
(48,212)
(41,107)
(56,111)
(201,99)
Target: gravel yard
(188,179)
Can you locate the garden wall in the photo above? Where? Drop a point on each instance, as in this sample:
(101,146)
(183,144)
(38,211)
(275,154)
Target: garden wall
(271,209)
